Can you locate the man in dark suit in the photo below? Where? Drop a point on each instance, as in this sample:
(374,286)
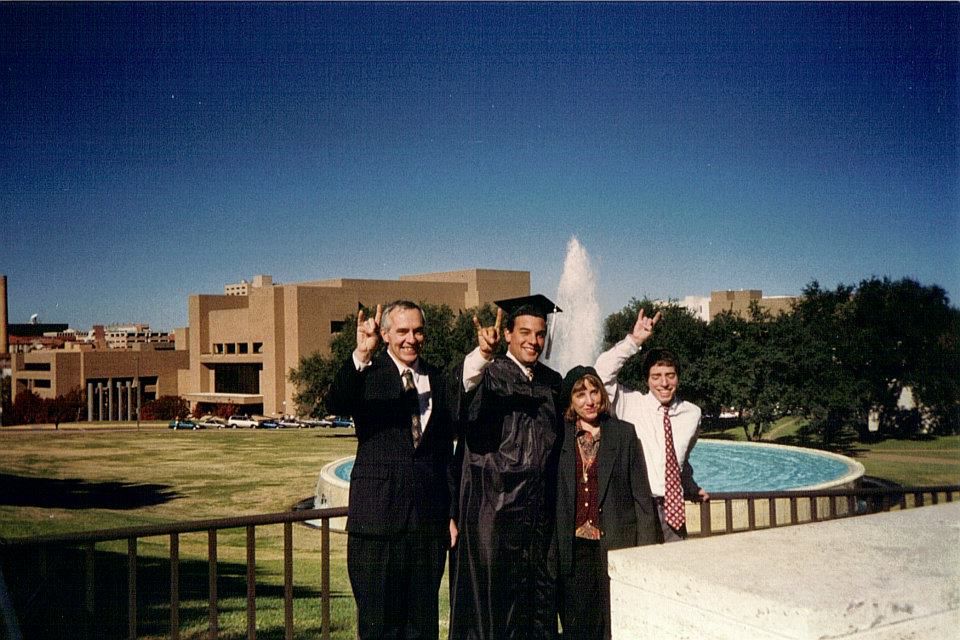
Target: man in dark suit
(398,521)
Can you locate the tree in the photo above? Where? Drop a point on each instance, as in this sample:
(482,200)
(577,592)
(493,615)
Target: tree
(165,408)
(746,366)
(864,345)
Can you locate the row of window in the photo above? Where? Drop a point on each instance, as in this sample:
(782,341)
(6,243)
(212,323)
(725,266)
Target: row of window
(231,348)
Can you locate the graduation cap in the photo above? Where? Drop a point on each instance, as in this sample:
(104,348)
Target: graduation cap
(515,307)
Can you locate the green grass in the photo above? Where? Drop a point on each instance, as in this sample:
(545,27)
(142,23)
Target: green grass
(79,479)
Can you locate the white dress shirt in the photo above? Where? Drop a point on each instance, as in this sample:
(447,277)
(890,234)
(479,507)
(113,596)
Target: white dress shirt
(643,410)
(420,381)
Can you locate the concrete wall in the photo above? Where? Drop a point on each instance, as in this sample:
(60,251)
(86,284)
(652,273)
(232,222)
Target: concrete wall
(879,577)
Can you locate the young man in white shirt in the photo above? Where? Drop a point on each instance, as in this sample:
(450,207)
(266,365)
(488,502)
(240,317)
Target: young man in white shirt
(658,415)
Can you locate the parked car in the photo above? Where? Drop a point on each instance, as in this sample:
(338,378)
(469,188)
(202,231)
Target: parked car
(268,423)
(341,421)
(314,422)
(212,422)
(290,423)
(184,423)
(241,421)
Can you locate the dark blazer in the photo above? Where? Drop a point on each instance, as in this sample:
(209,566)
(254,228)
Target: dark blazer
(394,487)
(628,516)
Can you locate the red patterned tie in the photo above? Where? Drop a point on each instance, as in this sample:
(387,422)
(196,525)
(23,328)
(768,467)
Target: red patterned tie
(673,511)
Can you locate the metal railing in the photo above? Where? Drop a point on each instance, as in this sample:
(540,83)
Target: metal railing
(733,512)
(87,542)
(725,513)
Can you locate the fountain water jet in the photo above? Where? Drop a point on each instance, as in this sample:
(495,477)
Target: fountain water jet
(576,334)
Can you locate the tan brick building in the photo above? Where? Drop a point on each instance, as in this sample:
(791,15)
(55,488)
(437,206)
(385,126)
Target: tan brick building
(114,380)
(739,302)
(243,345)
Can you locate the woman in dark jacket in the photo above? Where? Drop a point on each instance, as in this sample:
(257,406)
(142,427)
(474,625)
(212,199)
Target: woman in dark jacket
(603,503)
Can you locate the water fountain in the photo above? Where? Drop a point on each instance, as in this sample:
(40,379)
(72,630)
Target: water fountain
(576,333)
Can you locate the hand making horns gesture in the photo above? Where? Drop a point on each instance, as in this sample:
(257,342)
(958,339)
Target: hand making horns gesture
(368,334)
(643,328)
(488,337)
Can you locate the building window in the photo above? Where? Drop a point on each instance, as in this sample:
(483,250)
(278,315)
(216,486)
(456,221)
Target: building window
(231,347)
(242,347)
(218,348)
(36,366)
(237,378)
(41,384)
(258,347)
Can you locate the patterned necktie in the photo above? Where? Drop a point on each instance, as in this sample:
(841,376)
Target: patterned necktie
(410,390)
(673,511)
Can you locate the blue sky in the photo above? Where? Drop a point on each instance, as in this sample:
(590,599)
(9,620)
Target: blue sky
(152,150)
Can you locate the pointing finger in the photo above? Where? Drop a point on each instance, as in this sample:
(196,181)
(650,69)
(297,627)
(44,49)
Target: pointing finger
(655,320)
(379,315)
(496,325)
(476,323)
(360,317)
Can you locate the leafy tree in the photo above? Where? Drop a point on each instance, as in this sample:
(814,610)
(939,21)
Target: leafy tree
(746,366)
(165,408)
(5,406)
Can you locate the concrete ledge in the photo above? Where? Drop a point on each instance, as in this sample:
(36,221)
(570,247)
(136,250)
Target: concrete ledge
(880,577)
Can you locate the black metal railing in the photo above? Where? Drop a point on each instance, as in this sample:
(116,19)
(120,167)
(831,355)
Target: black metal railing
(725,513)
(733,512)
(87,543)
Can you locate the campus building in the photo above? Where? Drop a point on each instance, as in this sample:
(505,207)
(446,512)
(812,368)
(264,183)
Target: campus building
(739,302)
(116,381)
(244,342)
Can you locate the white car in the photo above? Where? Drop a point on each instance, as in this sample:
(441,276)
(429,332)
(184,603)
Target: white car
(212,422)
(241,421)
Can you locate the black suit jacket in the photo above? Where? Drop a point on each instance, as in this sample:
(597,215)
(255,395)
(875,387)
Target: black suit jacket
(628,516)
(394,487)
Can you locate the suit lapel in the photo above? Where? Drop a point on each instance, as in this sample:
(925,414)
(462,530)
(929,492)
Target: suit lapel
(607,460)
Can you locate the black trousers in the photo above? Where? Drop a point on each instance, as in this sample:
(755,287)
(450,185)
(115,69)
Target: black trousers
(396,584)
(585,594)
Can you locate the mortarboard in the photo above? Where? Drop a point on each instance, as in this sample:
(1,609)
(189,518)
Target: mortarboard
(539,302)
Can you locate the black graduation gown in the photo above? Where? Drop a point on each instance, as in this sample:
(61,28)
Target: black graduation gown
(502,582)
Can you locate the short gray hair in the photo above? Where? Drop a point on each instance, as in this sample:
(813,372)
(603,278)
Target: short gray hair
(403,305)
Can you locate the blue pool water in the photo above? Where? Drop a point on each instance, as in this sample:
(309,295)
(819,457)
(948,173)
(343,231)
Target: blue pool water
(726,466)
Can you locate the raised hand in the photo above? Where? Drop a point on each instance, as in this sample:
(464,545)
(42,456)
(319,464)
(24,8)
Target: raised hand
(643,328)
(488,338)
(368,334)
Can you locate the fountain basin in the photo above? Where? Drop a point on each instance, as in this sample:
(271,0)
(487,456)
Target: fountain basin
(720,466)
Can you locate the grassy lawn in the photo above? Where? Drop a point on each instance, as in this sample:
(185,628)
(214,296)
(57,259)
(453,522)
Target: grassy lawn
(75,480)
(78,479)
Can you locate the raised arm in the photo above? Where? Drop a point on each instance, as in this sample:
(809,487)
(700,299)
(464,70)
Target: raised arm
(488,339)
(610,362)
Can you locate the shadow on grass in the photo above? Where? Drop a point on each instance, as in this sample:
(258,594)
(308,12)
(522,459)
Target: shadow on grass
(49,596)
(72,493)
(844,442)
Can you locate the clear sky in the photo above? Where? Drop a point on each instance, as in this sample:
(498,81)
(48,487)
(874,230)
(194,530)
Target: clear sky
(151,150)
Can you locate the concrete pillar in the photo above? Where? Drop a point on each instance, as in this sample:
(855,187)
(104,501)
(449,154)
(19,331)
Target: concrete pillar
(99,401)
(110,399)
(89,402)
(119,399)
(129,401)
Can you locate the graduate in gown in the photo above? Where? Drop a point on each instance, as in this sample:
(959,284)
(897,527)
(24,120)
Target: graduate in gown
(502,582)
